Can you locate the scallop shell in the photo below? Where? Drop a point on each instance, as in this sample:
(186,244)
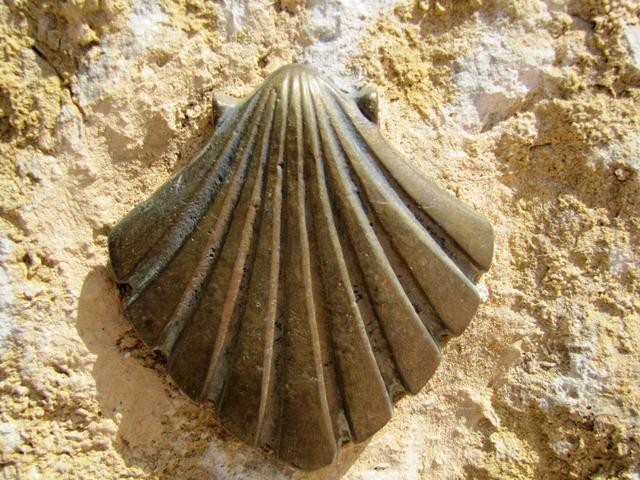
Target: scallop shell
(298,272)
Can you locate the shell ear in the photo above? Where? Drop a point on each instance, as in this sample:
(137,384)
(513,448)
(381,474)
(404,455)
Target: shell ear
(221,104)
(367,101)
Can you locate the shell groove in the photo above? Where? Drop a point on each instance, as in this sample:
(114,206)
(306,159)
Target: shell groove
(298,273)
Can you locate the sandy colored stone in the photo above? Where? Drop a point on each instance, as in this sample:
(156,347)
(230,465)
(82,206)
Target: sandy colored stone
(527,110)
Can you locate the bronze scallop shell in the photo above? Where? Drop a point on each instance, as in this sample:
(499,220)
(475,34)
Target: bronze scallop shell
(298,272)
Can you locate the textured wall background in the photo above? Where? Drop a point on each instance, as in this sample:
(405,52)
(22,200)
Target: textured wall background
(528,110)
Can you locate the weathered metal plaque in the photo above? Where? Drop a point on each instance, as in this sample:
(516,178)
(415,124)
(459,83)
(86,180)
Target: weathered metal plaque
(298,273)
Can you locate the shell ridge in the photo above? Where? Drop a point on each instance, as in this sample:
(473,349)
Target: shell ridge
(191,296)
(280,387)
(307,438)
(402,196)
(181,340)
(229,308)
(130,230)
(247,395)
(360,400)
(316,320)
(151,309)
(198,323)
(268,383)
(408,338)
(438,276)
(163,251)
(405,274)
(326,353)
(364,302)
(403,175)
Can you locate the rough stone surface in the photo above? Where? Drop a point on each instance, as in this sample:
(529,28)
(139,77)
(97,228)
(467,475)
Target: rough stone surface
(528,110)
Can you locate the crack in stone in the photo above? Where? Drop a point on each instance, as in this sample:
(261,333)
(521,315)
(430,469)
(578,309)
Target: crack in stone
(63,81)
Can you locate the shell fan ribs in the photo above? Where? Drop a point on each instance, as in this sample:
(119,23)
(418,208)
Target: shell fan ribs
(298,273)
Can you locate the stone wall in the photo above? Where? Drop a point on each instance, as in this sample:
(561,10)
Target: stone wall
(527,110)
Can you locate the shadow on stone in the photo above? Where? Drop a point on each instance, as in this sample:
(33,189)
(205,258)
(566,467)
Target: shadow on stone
(131,389)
